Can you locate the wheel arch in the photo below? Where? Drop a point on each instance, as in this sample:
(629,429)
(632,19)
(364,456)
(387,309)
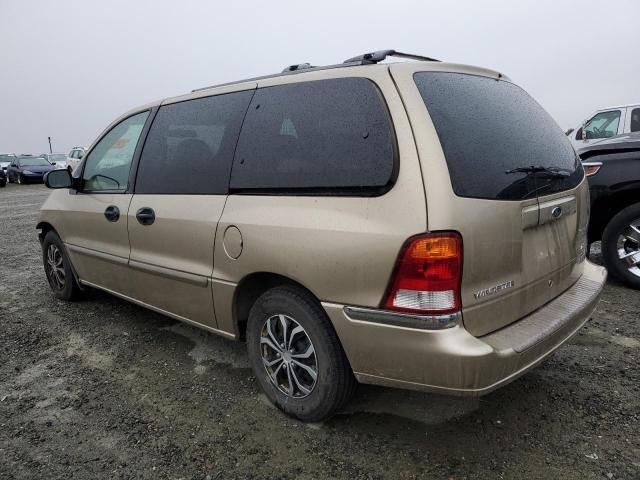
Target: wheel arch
(250,288)
(43,228)
(604,209)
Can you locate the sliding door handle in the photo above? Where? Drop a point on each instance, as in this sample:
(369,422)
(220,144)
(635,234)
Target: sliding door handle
(146,216)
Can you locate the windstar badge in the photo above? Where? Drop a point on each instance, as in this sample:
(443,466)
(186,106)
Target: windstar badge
(493,290)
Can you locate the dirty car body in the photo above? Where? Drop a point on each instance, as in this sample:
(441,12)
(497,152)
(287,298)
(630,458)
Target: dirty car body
(372,222)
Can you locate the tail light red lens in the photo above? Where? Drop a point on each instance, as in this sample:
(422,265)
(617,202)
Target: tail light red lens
(427,275)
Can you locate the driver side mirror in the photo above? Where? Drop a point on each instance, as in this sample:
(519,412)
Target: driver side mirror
(58,179)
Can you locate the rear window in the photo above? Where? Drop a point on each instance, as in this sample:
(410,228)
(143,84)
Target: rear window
(490,127)
(328,136)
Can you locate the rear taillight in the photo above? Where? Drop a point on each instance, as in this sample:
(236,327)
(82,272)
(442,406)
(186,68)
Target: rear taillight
(427,275)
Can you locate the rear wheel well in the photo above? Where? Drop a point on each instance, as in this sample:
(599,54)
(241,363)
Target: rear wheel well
(606,208)
(249,290)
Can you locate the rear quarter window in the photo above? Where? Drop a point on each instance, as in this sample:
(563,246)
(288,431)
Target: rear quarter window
(488,127)
(327,136)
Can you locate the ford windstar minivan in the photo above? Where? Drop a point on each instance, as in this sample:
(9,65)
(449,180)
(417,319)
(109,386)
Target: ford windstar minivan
(419,225)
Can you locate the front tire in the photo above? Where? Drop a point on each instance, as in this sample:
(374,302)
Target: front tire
(296,355)
(57,267)
(20,180)
(621,246)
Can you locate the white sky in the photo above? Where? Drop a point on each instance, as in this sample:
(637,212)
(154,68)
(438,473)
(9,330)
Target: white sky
(69,67)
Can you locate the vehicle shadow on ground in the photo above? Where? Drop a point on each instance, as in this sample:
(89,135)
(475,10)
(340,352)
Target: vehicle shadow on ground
(378,410)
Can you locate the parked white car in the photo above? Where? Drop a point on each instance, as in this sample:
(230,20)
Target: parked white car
(75,157)
(606,123)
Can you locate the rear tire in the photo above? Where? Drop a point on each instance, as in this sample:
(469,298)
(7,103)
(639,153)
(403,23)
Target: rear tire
(613,245)
(57,267)
(307,386)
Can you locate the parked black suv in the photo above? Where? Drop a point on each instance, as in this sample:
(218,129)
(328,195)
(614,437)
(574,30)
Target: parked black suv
(613,169)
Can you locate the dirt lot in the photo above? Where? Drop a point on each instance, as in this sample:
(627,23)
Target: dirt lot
(105,389)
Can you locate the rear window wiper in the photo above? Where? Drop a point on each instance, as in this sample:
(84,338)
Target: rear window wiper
(549,172)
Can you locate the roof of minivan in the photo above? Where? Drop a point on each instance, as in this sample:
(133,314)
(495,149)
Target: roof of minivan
(361,63)
(301,74)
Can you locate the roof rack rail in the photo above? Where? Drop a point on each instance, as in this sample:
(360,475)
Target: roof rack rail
(378,56)
(366,59)
(300,66)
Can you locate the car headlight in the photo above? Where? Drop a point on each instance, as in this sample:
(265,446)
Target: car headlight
(28,172)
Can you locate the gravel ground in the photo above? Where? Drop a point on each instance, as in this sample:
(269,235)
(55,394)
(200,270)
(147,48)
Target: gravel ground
(104,389)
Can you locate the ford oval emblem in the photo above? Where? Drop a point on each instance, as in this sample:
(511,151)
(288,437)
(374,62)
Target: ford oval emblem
(556,212)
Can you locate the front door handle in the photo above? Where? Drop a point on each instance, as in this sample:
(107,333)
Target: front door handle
(112,213)
(146,216)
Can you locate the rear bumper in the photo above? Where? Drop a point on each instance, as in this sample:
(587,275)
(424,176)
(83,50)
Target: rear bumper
(454,362)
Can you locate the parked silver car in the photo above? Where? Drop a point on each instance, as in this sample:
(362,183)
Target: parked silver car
(57,159)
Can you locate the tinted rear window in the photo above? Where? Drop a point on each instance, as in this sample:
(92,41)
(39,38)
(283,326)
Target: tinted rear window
(189,149)
(322,136)
(488,127)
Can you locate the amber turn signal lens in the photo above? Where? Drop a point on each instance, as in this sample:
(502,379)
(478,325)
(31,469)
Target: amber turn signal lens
(434,248)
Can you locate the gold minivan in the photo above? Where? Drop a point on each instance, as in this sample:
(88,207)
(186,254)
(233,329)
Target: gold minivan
(417,225)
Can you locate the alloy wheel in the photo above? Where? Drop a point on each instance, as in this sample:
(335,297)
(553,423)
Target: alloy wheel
(55,267)
(288,356)
(628,246)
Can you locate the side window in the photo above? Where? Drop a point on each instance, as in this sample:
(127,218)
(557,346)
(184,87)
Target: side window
(189,149)
(635,120)
(579,134)
(320,136)
(603,125)
(107,166)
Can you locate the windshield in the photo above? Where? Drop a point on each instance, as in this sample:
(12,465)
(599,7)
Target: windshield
(498,142)
(33,162)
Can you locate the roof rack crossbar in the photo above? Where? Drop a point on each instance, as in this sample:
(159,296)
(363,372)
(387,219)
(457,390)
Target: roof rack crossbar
(380,55)
(299,66)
